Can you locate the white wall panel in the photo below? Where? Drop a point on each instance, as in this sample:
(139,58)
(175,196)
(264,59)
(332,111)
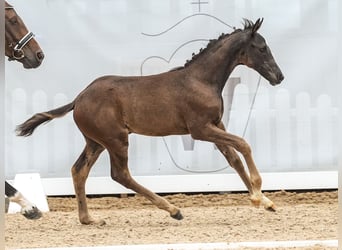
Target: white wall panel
(293,127)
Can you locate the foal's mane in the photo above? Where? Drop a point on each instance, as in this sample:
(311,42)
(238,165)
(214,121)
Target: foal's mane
(248,25)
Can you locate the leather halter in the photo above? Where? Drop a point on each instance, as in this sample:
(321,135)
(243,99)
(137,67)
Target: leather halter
(18,52)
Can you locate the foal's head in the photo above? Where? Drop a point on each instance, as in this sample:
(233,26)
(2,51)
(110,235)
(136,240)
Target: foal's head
(257,55)
(20,44)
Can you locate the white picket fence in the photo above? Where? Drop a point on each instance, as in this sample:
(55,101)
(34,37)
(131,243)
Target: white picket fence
(288,134)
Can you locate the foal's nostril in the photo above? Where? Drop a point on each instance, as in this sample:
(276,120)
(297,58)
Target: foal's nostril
(280,77)
(40,56)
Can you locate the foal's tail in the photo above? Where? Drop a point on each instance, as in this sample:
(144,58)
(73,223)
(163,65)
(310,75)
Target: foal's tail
(27,128)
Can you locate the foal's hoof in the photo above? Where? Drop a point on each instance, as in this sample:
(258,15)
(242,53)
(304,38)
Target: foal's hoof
(32,214)
(271,208)
(177,216)
(268,204)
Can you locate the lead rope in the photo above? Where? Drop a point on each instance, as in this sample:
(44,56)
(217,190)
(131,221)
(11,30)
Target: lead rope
(243,135)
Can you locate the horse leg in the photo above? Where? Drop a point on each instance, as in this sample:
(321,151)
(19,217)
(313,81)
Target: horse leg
(224,141)
(235,162)
(80,172)
(121,174)
(29,210)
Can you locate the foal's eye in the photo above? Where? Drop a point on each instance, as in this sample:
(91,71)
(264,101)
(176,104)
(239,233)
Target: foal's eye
(263,49)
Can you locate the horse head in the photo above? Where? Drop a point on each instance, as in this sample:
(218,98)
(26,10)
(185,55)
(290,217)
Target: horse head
(20,44)
(257,55)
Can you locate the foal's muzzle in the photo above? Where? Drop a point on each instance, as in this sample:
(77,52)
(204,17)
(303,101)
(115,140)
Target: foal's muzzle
(280,77)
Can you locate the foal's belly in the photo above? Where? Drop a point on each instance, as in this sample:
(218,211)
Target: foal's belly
(154,125)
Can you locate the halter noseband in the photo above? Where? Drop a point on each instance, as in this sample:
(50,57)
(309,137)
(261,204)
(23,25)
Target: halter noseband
(18,52)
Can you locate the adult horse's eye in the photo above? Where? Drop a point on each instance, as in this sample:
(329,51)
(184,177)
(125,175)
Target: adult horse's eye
(13,20)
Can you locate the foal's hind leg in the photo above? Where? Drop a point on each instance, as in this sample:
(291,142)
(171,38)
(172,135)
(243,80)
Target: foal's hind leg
(120,173)
(80,172)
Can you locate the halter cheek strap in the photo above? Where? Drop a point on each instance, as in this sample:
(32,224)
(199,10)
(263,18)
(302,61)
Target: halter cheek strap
(18,53)
(23,41)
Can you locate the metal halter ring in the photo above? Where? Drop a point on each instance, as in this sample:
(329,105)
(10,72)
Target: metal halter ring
(18,53)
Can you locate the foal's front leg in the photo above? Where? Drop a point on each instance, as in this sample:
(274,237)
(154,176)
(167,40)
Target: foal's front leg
(226,142)
(235,162)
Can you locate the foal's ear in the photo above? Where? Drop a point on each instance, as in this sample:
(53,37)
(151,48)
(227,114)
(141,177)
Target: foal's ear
(257,25)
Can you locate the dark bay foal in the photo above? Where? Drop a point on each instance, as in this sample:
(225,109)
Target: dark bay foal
(183,101)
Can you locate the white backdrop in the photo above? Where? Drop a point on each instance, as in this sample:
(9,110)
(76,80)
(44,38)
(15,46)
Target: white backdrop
(293,128)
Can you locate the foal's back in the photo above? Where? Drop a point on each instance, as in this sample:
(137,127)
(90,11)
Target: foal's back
(150,105)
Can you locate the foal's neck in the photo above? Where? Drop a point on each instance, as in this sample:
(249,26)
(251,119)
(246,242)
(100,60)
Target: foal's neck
(215,66)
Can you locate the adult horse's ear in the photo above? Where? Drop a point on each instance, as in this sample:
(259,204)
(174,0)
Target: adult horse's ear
(257,25)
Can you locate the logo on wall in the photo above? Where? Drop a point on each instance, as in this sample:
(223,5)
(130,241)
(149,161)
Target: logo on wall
(185,153)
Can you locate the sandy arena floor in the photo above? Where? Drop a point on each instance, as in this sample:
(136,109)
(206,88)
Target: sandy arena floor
(207,218)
